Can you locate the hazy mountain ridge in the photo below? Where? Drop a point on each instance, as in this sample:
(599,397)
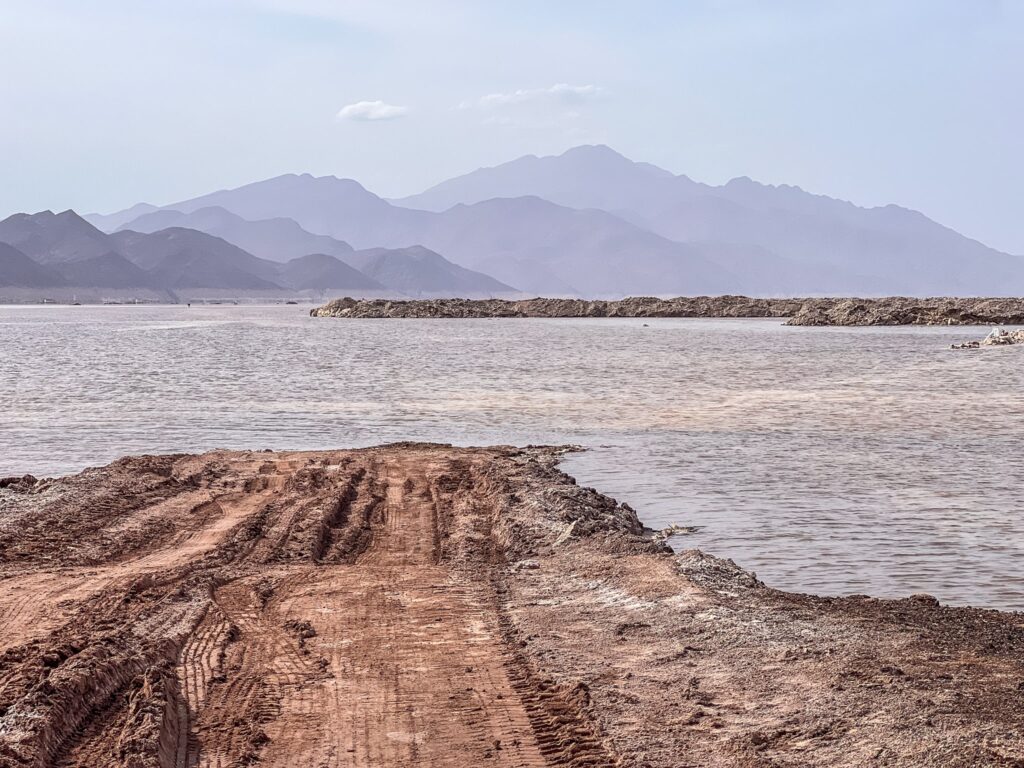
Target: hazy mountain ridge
(591,222)
(277,239)
(54,238)
(73,249)
(186,258)
(419,271)
(411,269)
(581,177)
(529,243)
(890,248)
(323,205)
(110,222)
(169,260)
(318,271)
(527,240)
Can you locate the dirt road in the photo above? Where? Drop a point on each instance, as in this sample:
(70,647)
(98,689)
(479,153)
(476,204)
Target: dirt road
(418,605)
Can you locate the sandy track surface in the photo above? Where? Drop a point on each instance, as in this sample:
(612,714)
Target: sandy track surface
(418,605)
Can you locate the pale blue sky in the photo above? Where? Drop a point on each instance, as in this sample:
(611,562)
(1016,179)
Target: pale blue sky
(917,102)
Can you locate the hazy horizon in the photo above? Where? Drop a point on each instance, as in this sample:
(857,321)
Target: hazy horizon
(874,103)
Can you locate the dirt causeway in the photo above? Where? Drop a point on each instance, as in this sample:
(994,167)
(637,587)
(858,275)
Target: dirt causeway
(891,310)
(422,605)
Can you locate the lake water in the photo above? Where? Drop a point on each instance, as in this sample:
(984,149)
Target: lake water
(831,461)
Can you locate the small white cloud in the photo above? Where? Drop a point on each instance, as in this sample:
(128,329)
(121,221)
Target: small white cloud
(559,92)
(371,110)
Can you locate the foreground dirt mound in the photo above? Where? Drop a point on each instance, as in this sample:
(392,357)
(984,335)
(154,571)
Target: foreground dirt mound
(420,605)
(894,310)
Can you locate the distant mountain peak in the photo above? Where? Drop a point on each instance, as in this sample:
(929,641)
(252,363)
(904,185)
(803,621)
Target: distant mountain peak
(71,216)
(215,210)
(594,150)
(32,218)
(585,176)
(303,178)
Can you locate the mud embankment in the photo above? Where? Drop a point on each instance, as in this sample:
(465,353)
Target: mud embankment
(422,605)
(830,311)
(699,306)
(909,311)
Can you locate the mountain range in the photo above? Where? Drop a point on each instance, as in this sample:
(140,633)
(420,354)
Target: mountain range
(64,251)
(588,222)
(825,245)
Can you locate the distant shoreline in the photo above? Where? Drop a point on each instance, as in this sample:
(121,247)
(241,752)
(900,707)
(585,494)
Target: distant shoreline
(893,310)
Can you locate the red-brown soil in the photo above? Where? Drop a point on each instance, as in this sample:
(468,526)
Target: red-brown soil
(420,605)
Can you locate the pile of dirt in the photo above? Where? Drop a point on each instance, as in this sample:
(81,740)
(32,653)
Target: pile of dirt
(910,311)
(698,306)
(423,605)
(828,311)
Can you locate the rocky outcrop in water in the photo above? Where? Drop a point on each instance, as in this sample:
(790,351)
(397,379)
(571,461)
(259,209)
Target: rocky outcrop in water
(895,310)
(999,337)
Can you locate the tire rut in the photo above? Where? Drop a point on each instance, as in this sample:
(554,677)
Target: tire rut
(311,615)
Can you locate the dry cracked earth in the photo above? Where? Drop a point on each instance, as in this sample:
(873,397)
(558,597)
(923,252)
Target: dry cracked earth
(423,605)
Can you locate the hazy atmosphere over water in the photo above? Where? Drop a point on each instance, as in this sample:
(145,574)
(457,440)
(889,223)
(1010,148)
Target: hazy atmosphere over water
(511,384)
(113,102)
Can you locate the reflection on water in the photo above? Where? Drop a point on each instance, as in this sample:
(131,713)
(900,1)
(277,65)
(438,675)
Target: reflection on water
(833,461)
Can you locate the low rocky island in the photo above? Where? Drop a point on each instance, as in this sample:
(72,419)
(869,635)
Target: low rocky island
(811,311)
(425,605)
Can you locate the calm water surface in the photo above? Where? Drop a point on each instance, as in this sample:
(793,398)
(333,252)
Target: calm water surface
(832,461)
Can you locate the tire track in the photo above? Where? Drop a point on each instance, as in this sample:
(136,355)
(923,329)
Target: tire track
(308,617)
